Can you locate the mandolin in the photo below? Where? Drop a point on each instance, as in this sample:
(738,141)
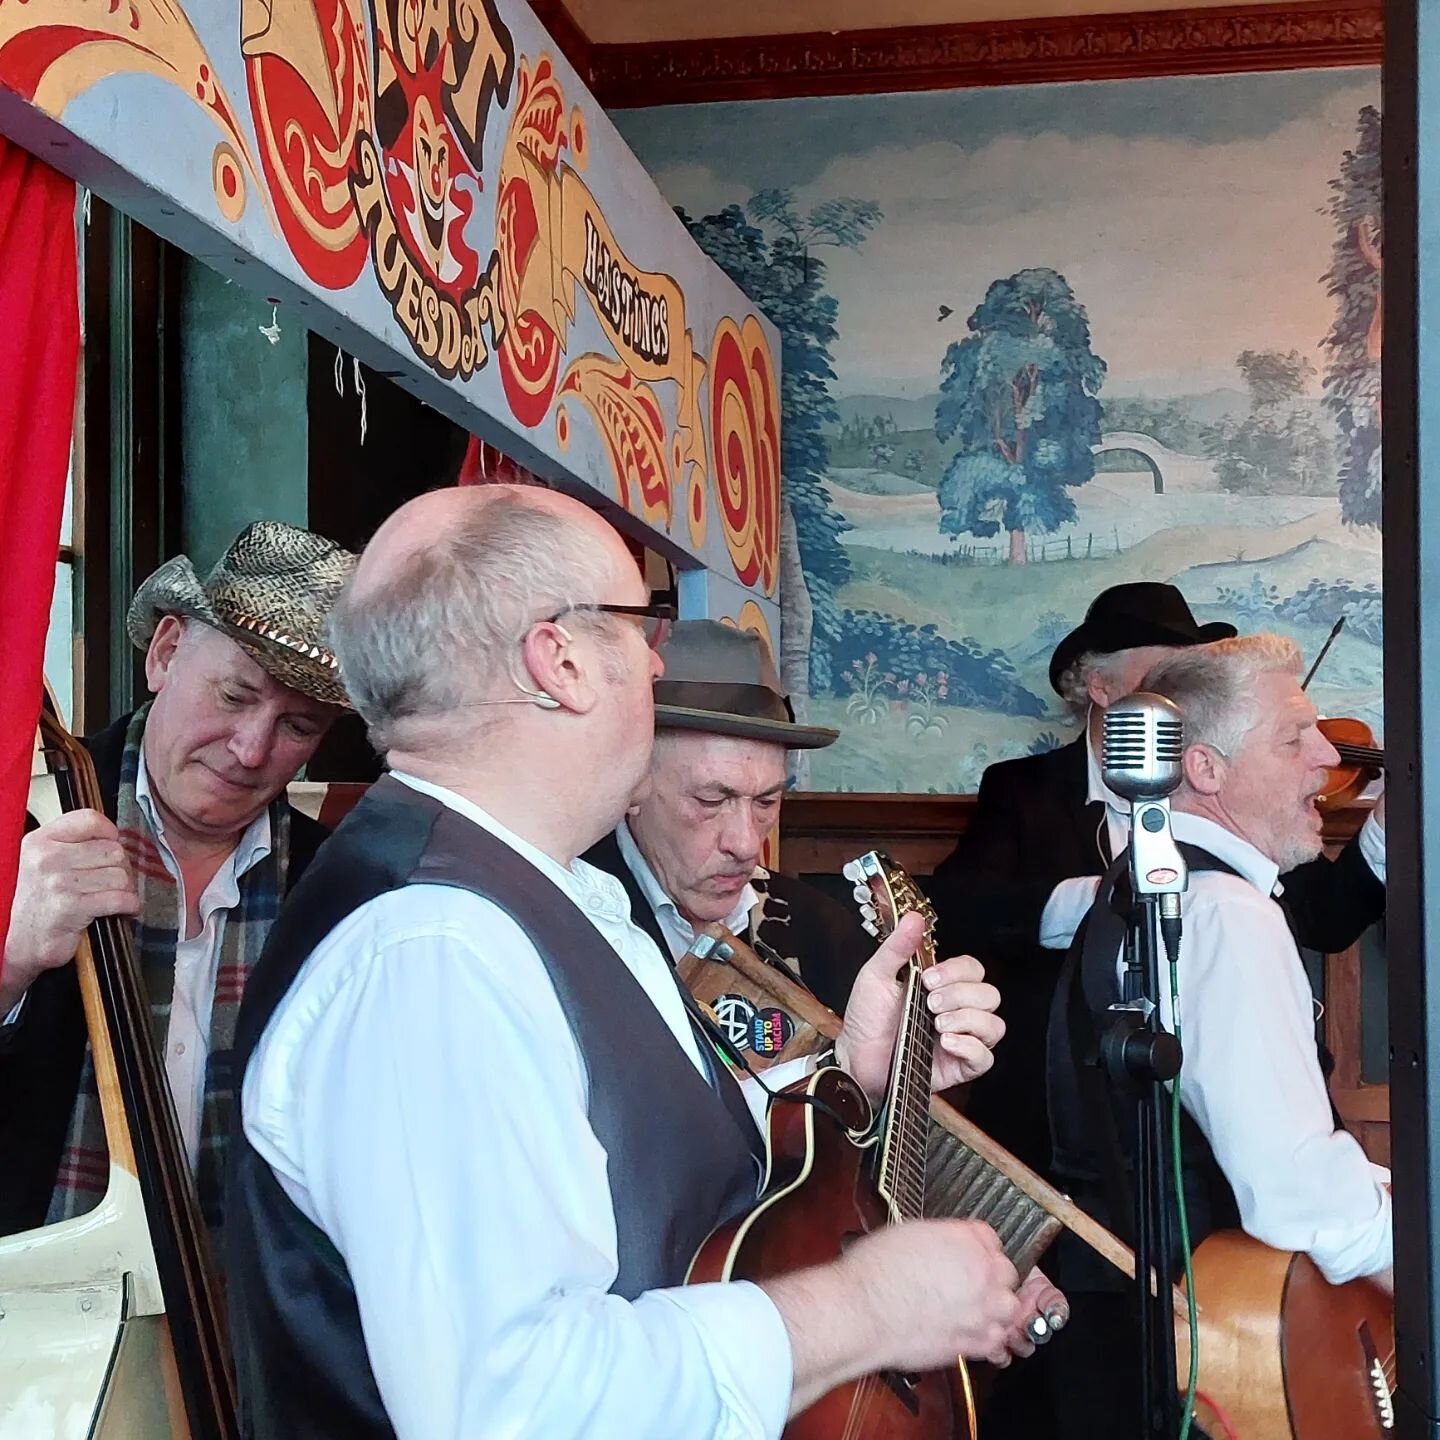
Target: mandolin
(155,1316)
(833,1173)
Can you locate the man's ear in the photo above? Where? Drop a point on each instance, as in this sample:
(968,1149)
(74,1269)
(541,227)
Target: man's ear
(1204,769)
(1096,688)
(161,651)
(559,680)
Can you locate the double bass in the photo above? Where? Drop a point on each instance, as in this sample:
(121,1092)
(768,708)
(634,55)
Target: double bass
(123,1302)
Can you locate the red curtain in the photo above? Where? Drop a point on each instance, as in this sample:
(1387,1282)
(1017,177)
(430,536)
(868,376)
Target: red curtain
(39,354)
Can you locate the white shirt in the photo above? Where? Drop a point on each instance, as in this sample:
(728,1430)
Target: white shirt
(679,933)
(1071,899)
(197,959)
(420,1096)
(1251,1078)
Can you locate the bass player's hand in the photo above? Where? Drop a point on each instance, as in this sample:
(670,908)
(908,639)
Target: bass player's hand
(959,999)
(72,871)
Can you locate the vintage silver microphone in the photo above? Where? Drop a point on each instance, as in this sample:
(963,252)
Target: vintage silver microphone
(1142,753)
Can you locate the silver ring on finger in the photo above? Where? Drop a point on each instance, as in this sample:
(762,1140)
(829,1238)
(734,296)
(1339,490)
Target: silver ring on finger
(1038,1329)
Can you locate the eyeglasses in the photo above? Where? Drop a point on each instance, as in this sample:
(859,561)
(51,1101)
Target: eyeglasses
(654,619)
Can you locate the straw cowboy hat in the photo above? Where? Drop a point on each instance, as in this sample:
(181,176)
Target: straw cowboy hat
(270,593)
(1128,617)
(722,680)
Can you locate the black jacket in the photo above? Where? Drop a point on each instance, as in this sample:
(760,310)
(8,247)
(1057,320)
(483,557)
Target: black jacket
(41,1054)
(801,924)
(1031,829)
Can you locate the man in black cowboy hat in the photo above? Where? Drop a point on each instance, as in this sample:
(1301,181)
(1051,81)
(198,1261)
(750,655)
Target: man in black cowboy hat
(1045,828)
(689,852)
(197,844)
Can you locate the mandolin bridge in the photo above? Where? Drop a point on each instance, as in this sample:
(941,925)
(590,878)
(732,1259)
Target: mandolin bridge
(904,1385)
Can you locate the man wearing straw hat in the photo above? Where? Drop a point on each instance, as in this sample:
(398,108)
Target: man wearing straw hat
(197,845)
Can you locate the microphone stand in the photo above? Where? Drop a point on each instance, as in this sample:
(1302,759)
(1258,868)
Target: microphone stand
(1139,1056)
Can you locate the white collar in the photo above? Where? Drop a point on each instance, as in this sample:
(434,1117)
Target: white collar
(580,880)
(737,922)
(253,846)
(1226,845)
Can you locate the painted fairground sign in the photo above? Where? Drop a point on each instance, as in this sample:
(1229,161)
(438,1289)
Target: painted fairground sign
(433,187)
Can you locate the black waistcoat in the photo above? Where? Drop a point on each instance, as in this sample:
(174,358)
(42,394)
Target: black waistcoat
(680,1153)
(1092,1127)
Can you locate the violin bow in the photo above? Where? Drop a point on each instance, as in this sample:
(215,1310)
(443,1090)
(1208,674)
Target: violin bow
(1335,629)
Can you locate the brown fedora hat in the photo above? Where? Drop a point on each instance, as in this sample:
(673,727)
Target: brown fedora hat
(270,593)
(721,680)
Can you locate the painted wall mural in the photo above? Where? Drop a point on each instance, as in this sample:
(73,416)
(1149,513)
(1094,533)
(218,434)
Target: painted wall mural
(1038,341)
(433,183)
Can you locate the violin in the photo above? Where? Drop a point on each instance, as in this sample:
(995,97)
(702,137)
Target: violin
(1361,761)
(149,1223)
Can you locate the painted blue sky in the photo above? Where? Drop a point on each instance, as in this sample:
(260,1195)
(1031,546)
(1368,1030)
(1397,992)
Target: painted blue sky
(1186,212)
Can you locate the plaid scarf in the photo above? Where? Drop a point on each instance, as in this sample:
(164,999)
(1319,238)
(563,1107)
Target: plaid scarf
(84,1164)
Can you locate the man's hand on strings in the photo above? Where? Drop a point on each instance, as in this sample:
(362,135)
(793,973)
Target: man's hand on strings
(960,1001)
(72,871)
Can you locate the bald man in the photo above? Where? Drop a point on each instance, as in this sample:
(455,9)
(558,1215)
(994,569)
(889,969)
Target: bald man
(481,1138)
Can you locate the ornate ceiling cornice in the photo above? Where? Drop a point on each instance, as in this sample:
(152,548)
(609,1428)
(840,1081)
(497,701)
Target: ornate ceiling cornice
(1022,52)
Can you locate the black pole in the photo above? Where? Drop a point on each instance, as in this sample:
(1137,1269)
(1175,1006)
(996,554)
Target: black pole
(1411,392)
(1141,1064)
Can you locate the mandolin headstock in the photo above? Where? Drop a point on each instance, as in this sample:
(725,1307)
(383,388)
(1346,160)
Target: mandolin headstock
(885,894)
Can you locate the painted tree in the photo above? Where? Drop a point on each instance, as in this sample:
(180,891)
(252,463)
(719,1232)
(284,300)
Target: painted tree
(1352,374)
(1018,394)
(767,249)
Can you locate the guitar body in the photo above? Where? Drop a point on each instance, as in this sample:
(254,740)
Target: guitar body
(818,1197)
(1284,1355)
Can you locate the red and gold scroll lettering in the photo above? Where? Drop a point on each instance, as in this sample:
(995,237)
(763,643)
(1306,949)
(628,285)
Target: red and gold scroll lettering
(745,440)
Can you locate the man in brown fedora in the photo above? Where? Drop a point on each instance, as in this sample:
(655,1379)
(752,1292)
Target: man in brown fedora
(689,852)
(197,845)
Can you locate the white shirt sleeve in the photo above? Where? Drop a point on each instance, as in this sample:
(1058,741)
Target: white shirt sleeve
(437,1132)
(1251,1079)
(1372,846)
(1068,905)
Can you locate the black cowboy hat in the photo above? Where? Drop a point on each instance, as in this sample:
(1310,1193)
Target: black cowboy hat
(721,680)
(1127,617)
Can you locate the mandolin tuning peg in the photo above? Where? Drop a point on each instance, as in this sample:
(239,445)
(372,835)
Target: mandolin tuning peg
(868,926)
(852,871)
(870,913)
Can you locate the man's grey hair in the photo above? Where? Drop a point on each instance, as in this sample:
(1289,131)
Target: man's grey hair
(1214,685)
(1075,677)
(444,630)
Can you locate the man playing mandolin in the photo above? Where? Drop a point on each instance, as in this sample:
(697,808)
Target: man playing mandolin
(1263,1149)
(483,1138)
(689,852)
(197,845)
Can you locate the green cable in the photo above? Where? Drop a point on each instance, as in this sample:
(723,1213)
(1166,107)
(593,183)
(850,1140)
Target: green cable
(1183,1215)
